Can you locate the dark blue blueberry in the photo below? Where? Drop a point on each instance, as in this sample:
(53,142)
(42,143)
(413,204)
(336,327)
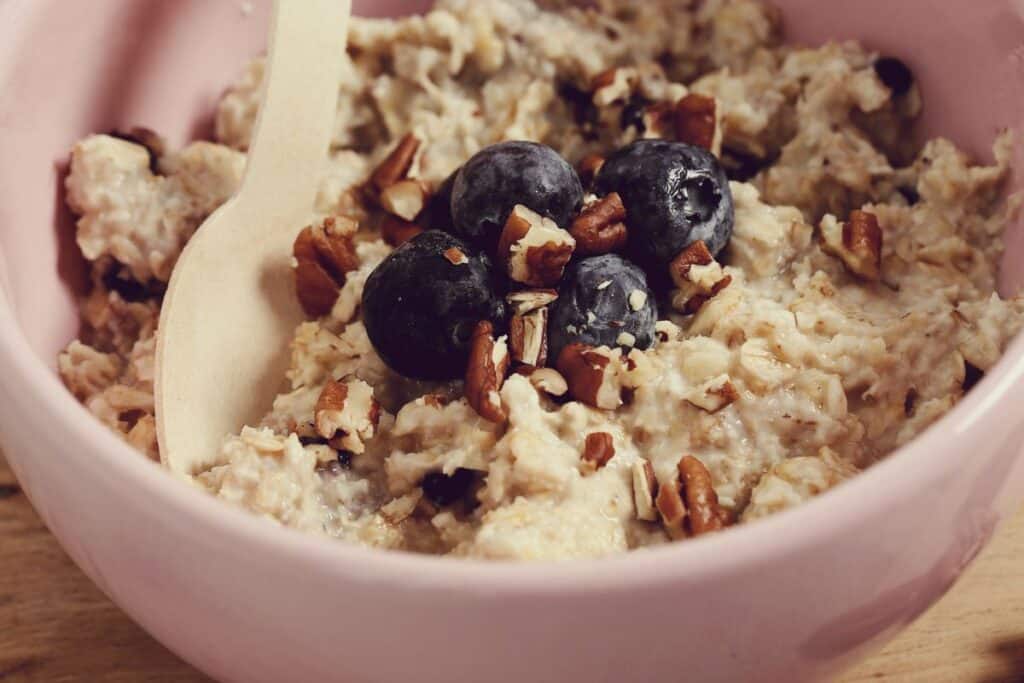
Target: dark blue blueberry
(509,173)
(675,194)
(421,303)
(896,75)
(596,305)
(442,489)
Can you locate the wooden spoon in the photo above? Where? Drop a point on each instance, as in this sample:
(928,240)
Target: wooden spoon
(230,307)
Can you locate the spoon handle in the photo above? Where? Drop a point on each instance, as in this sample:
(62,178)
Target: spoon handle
(307,44)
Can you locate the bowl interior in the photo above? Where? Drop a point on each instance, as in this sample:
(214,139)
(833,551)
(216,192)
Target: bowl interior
(65,74)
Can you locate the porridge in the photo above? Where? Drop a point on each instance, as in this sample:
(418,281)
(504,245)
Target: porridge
(572,297)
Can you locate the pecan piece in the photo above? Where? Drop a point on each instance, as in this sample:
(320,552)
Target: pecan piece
(704,513)
(671,509)
(548,380)
(324,254)
(456,256)
(696,121)
(714,394)
(613,85)
(857,243)
(533,249)
(397,164)
(600,228)
(591,375)
(405,199)
(588,168)
(526,300)
(598,449)
(697,276)
(485,373)
(645,486)
(528,338)
(658,120)
(396,231)
(347,414)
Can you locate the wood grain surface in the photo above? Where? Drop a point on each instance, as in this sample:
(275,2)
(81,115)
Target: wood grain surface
(56,626)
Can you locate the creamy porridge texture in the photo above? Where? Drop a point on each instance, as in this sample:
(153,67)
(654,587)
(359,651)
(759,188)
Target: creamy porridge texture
(853,305)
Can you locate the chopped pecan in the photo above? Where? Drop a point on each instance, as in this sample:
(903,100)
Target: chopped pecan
(548,380)
(397,164)
(347,414)
(613,85)
(485,373)
(324,254)
(526,300)
(696,121)
(588,168)
(600,228)
(456,256)
(405,199)
(671,509)
(533,249)
(658,120)
(698,277)
(598,449)
(645,486)
(591,375)
(396,231)
(714,394)
(697,254)
(528,339)
(702,506)
(667,331)
(857,243)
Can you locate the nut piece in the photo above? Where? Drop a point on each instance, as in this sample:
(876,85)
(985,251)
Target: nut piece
(533,249)
(697,122)
(714,394)
(598,449)
(323,255)
(347,414)
(404,199)
(456,256)
(645,484)
(400,509)
(548,380)
(857,243)
(701,500)
(528,338)
(697,276)
(588,168)
(613,85)
(600,228)
(671,509)
(527,300)
(592,375)
(397,232)
(658,120)
(667,331)
(485,373)
(397,164)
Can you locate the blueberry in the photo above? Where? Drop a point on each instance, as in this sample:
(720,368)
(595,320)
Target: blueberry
(601,298)
(442,489)
(421,303)
(675,194)
(896,75)
(509,173)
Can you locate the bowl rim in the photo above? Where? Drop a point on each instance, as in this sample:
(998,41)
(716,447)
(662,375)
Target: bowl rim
(784,532)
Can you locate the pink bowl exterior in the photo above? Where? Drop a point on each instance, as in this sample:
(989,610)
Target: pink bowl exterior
(792,598)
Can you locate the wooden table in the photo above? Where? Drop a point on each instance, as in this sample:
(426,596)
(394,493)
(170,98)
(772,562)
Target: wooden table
(56,626)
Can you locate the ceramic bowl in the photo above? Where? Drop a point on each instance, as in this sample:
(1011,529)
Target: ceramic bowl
(792,598)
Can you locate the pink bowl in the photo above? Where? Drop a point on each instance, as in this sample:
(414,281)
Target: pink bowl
(792,598)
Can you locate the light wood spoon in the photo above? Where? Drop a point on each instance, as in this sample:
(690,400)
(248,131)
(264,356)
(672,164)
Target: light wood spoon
(230,307)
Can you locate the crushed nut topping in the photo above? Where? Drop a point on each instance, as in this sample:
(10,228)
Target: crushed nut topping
(697,276)
(598,449)
(671,509)
(658,120)
(485,373)
(533,248)
(528,337)
(626,339)
(667,331)
(704,512)
(592,375)
(696,122)
(527,300)
(637,299)
(588,168)
(324,254)
(549,381)
(396,231)
(614,85)
(455,256)
(714,394)
(857,243)
(347,414)
(397,164)
(404,199)
(600,228)
(645,486)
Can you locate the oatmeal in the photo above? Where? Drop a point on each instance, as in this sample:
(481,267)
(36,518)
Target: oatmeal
(543,351)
